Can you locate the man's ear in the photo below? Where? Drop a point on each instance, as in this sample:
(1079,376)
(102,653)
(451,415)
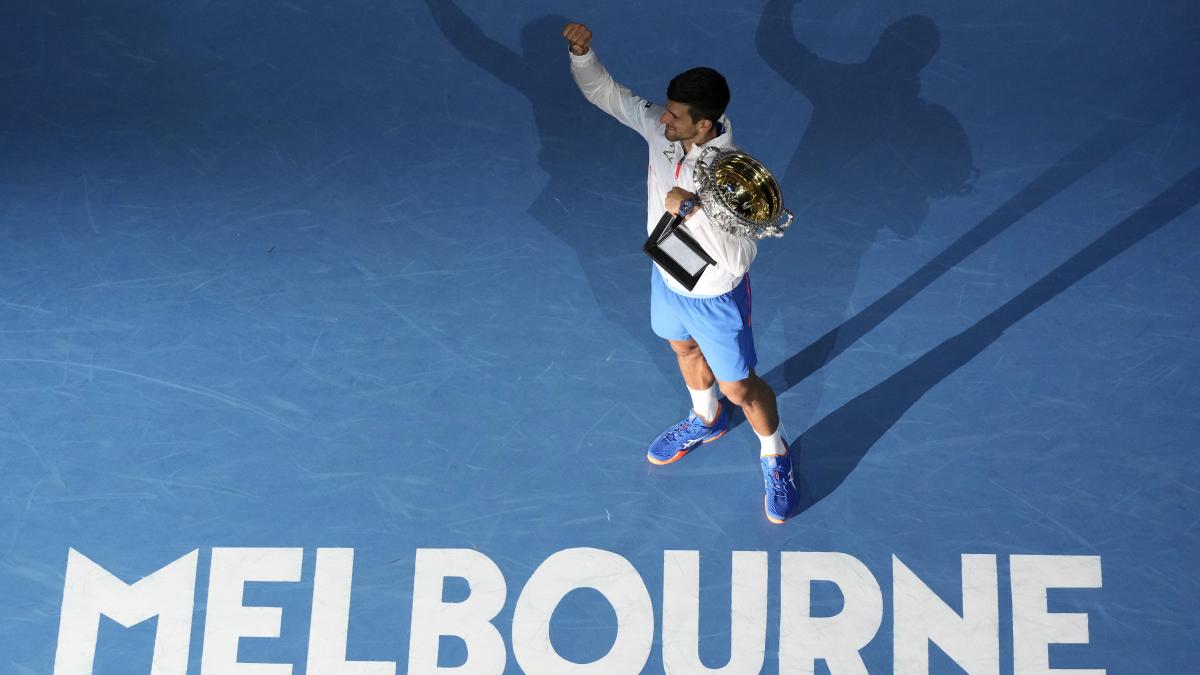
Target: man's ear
(704,125)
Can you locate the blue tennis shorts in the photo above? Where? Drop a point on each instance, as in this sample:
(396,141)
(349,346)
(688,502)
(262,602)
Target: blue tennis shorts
(720,325)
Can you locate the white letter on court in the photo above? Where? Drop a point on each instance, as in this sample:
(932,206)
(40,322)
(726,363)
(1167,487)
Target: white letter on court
(469,619)
(972,640)
(804,638)
(330,625)
(227,620)
(90,591)
(681,613)
(563,572)
(1034,627)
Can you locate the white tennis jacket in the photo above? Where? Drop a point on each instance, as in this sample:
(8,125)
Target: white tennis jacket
(669,167)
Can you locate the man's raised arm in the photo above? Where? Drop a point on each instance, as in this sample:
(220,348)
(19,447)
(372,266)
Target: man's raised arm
(599,88)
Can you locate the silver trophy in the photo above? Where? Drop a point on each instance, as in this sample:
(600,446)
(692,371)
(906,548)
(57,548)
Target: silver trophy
(739,195)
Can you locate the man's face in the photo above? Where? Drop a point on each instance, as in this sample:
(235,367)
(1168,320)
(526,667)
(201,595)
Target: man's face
(678,119)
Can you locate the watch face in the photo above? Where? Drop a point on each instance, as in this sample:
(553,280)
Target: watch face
(686,206)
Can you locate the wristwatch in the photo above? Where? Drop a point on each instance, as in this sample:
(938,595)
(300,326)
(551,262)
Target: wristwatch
(687,206)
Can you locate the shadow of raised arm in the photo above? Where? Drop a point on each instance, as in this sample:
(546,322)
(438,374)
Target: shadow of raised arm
(778,46)
(466,36)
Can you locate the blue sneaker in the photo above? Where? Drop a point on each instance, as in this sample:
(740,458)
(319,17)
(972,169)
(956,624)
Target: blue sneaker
(782,496)
(672,444)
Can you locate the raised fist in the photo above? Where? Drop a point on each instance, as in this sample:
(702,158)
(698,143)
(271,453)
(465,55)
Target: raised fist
(579,37)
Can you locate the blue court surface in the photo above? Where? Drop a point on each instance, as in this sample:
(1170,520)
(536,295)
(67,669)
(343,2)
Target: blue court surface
(325,346)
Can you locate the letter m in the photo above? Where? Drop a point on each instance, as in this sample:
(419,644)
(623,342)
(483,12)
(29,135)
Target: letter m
(90,591)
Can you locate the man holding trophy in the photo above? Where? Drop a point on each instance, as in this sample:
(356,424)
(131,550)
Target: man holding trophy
(718,201)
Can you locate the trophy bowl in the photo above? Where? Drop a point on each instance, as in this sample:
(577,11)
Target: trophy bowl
(740,195)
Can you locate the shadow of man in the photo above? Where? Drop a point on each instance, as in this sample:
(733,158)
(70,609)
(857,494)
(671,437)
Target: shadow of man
(834,446)
(595,199)
(872,158)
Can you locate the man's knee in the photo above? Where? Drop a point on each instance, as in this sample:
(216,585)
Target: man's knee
(685,349)
(737,392)
(750,388)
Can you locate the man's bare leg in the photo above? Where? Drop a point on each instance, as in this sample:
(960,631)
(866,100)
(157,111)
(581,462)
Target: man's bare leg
(757,401)
(754,396)
(681,438)
(692,365)
(698,377)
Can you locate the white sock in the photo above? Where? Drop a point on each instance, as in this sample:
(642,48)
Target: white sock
(773,444)
(704,402)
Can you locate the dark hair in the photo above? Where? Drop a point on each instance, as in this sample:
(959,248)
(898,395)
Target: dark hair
(703,91)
